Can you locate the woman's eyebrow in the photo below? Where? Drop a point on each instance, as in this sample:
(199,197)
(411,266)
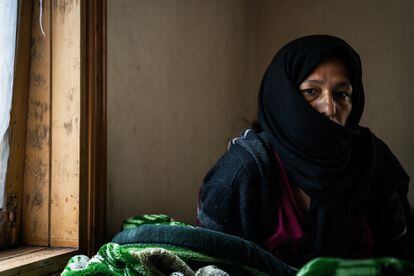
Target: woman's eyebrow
(314,81)
(341,84)
(344,84)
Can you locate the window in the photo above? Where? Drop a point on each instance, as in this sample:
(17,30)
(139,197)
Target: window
(8,24)
(57,162)
(8,29)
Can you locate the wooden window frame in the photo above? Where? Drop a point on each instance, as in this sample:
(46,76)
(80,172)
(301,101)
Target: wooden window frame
(94,127)
(92,156)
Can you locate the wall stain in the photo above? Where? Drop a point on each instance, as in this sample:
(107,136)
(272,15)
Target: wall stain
(70,95)
(39,109)
(64,7)
(68,127)
(38,137)
(35,53)
(37,80)
(37,200)
(37,170)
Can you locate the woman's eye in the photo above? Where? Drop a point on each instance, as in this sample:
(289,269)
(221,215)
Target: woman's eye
(309,92)
(343,95)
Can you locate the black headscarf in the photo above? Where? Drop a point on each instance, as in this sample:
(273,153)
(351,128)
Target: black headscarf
(334,164)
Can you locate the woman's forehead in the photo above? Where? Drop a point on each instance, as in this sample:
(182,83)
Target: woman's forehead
(331,67)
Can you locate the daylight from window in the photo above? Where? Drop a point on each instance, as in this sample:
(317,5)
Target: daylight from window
(8,21)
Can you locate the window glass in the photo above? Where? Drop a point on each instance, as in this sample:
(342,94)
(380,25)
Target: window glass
(8,28)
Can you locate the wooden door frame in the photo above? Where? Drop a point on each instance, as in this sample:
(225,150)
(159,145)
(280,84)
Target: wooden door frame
(93,127)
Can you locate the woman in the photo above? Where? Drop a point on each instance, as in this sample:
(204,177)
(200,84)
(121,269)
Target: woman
(308,180)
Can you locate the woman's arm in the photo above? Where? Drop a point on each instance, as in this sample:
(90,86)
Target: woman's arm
(223,197)
(239,194)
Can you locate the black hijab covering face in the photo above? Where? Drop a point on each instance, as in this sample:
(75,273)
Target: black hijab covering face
(333,164)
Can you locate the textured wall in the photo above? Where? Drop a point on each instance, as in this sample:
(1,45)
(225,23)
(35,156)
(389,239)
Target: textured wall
(177,86)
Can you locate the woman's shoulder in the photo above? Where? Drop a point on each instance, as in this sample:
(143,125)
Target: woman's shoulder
(253,147)
(238,193)
(248,154)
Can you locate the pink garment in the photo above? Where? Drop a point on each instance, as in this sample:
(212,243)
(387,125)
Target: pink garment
(291,239)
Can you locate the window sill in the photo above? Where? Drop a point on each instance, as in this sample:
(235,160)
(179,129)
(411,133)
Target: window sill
(35,260)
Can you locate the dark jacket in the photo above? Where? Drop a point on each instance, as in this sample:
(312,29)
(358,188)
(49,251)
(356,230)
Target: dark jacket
(240,196)
(239,193)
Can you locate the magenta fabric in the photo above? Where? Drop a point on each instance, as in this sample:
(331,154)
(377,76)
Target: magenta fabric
(291,237)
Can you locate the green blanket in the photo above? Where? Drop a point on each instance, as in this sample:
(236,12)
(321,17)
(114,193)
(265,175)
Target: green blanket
(367,267)
(134,222)
(153,259)
(169,259)
(145,259)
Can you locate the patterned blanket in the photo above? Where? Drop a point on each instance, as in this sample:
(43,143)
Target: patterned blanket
(139,253)
(158,245)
